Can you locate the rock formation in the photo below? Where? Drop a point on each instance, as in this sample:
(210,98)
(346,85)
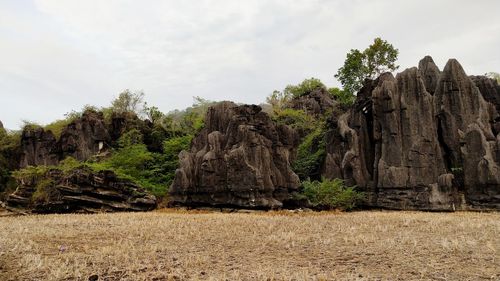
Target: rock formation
(39,147)
(79,190)
(84,137)
(316,103)
(240,159)
(81,139)
(424,139)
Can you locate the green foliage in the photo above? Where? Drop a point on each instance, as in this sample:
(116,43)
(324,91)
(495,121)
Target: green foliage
(30,125)
(331,194)
(31,173)
(280,99)
(304,88)
(189,121)
(131,137)
(494,75)
(378,58)
(311,153)
(153,113)
(343,97)
(44,190)
(58,126)
(128,102)
(9,147)
(69,164)
(172,147)
(294,118)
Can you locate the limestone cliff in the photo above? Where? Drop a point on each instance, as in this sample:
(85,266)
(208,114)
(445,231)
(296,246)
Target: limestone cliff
(241,159)
(424,139)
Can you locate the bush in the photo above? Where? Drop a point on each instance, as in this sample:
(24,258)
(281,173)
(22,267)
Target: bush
(294,118)
(310,154)
(331,194)
(304,88)
(131,137)
(343,97)
(30,173)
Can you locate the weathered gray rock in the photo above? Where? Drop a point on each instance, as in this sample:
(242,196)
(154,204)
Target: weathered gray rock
(241,158)
(430,73)
(79,190)
(489,88)
(84,137)
(38,147)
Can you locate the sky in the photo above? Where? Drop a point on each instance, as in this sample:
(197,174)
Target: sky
(59,55)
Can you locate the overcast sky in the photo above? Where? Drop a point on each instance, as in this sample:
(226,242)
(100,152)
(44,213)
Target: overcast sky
(58,55)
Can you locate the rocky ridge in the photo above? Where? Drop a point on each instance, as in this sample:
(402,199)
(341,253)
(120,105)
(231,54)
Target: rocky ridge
(79,190)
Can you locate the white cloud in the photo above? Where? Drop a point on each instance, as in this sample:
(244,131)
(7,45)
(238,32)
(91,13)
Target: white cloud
(59,55)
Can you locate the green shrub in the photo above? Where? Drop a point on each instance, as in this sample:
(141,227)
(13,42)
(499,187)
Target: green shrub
(331,194)
(44,191)
(173,146)
(30,173)
(129,138)
(343,97)
(294,118)
(69,164)
(304,88)
(311,153)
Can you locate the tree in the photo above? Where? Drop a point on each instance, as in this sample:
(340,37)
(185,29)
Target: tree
(128,102)
(494,75)
(153,113)
(378,58)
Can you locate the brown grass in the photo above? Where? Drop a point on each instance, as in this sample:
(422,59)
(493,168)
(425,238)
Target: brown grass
(179,245)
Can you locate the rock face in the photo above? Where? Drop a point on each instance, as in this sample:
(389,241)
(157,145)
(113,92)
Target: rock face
(315,103)
(489,88)
(424,139)
(81,139)
(39,147)
(241,159)
(80,190)
(84,137)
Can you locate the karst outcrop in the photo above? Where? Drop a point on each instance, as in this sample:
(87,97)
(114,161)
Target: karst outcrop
(83,138)
(424,139)
(315,103)
(78,190)
(241,159)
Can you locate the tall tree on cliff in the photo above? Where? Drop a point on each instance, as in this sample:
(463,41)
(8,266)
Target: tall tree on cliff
(378,58)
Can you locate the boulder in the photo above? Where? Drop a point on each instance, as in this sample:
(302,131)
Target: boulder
(79,190)
(240,159)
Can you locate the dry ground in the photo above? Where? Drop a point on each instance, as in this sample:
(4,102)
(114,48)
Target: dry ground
(256,246)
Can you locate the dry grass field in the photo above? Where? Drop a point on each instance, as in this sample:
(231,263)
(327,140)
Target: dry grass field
(174,245)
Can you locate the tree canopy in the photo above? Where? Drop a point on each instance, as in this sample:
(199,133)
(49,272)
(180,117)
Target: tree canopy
(494,75)
(378,58)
